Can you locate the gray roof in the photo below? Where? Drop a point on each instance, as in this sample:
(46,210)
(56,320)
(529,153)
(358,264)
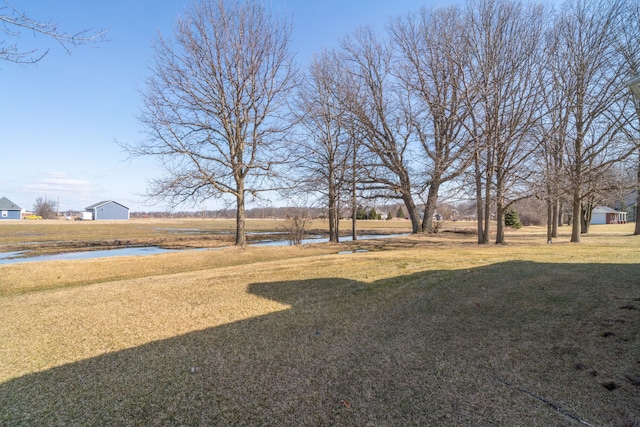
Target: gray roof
(8,205)
(106,202)
(604,209)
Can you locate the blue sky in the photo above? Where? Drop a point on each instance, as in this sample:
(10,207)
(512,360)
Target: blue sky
(59,119)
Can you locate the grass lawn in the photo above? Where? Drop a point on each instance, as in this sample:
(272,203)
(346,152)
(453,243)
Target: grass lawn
(418,330)
(54,236)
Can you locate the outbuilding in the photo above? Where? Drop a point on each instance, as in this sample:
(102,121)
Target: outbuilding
(9,210)
(606,215)
(107,210)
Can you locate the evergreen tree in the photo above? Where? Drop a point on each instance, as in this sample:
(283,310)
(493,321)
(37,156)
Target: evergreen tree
(361,213)
(512,219)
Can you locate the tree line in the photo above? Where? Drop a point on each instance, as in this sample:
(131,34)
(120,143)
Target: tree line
(495,101)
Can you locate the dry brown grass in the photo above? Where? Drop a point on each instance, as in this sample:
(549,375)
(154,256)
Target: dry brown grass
(421,330)
(55,236)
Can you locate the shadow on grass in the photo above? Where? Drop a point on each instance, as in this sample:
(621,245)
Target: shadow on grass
(517,343)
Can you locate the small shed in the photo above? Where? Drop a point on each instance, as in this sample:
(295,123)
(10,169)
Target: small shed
(108,210)
(9,210)
(606,215)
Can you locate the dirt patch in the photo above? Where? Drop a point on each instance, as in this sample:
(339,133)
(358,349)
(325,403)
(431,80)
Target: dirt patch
(610,385)
(635,381)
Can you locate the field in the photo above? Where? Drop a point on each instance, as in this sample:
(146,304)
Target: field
(416,330)
(54,236)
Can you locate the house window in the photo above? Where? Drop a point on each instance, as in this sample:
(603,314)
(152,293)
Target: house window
(5,214)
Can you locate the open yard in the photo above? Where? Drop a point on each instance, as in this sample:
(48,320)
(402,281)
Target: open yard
(54,236)
(417,330)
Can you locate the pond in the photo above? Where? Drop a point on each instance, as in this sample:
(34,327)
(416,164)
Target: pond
(321,239)
(20,257)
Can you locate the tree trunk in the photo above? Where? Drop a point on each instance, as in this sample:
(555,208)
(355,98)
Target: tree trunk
(489,169)
(480,220)
(575,222)
(414,215)
(479,201)
(576,215)
(550,220)
(637,228)
(354,196)
(585,218)
(337,221)
(241,238)
(556,218)
(487,210)
(430,207)
(333,220)
(354,225)
(499,208)
(499,224)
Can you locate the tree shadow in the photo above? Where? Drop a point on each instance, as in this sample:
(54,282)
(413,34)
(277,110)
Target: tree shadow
(434,348)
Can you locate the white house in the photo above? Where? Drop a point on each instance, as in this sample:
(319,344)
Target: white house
(606,215)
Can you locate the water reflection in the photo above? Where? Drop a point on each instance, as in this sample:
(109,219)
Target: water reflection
(354,251)
(320,239)
(19,257)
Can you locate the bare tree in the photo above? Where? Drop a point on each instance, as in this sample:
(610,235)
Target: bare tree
(382,112)
(45,208)
(553,131)
(326,147)
(13,22)
(629,47)
(593,96)
(215,106)
(432,60)
(504,40)
(295,227)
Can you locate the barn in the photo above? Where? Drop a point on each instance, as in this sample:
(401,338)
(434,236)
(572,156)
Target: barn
(9,210)
(108,210)
(606,215)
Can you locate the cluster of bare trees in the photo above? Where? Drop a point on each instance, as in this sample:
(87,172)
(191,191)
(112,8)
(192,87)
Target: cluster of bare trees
(499,100)
(588,126)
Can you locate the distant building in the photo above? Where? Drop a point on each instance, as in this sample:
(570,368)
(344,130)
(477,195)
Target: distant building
(9,210)
(107,210)
(606,215)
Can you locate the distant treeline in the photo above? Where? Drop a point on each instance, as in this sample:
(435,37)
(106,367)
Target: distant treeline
(269,212)
(531,212)
(266,212)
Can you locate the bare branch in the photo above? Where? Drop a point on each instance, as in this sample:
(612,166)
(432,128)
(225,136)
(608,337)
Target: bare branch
(14,21)
(215,107)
